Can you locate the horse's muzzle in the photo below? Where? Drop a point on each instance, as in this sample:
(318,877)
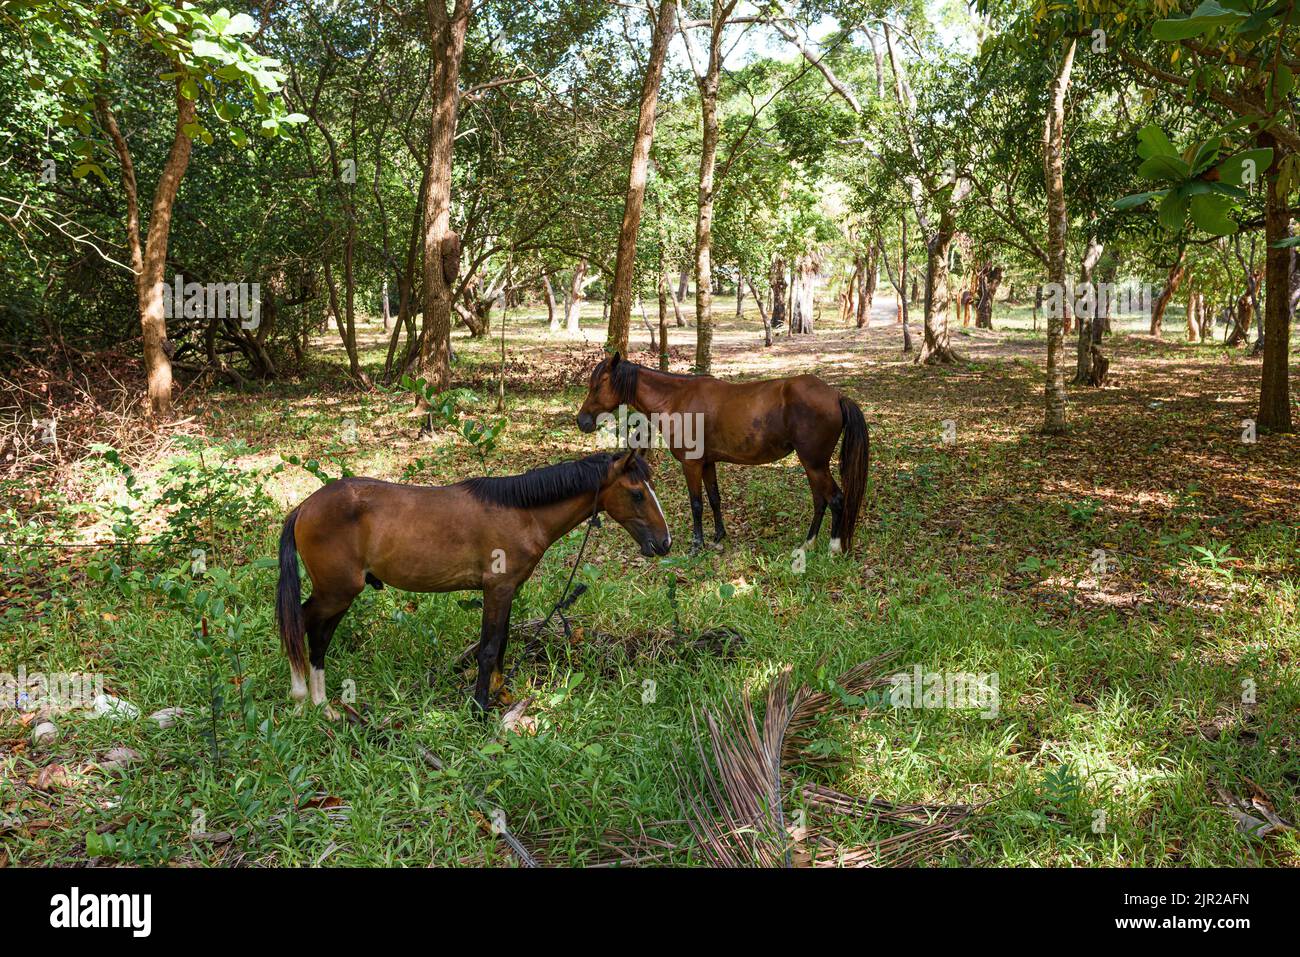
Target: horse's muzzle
(586,422)
(651,548)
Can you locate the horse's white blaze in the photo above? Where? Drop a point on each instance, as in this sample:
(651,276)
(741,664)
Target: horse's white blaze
(317,685)
(658,508)
(297,684)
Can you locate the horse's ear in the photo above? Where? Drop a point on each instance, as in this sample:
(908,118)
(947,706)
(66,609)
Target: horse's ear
(624,462)
(618,357)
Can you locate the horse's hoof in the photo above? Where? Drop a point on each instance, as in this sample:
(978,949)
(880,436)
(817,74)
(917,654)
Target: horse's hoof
(836,547)
(329,713)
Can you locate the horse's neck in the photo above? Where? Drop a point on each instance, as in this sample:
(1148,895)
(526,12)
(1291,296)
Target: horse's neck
(654,390)
(559,518)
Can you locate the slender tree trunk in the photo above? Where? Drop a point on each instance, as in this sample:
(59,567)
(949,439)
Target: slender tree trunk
(1083,356)
(447,46)
(1057,224)
(1274,392)
(664,295)
(574,299)
(552,321)
(149,260)
(1172,282)
(777,279)
(620,313)
(708,85)
(762,314)
(740,294)
(867,279)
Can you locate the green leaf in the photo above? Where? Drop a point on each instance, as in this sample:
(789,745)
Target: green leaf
(1170,169)
(1173,211)
(1210,213)
(1152,141)
(1245,167)
(208,50)
(240,23)
(1136,199)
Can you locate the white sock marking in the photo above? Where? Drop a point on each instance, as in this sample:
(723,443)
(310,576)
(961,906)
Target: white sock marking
(318,685)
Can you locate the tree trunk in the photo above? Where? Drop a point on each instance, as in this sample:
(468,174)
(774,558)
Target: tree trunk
(777,279)
(1274,392)
(447,45)
(806,269)
(1172,282)
(574,298)
(1057,224)
(740,294)
(867,284)
(664,296)
(986,293)
(935,347)
(708,85)
(762,314)
(149,260)
(1083,356)
(552,321)
(620,313)
(383,306)
(683,287)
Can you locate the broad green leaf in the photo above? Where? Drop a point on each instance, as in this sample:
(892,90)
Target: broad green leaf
(1137,199)
(1173,211)
(1152,141)
(1210,213)
(1173,169)
(1246,167)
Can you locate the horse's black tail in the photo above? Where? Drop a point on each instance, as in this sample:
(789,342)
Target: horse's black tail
(855,455)
(288,601)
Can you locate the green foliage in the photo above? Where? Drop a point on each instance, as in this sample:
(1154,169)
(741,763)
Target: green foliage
(444,408)
(1200,181)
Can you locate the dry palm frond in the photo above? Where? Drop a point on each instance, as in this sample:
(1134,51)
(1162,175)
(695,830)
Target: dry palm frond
(744,784)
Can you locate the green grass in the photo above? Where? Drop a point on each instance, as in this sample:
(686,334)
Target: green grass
(974,558)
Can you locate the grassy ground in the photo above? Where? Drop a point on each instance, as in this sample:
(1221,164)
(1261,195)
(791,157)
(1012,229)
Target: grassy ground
(1140,691)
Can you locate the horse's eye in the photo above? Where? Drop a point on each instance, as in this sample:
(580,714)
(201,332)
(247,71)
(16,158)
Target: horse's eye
(638,496)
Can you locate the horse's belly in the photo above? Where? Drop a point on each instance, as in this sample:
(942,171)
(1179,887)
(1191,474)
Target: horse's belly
(434,567)
(427,581)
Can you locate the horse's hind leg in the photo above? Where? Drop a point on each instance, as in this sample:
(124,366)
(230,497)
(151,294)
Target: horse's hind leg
(694,470)
(715,500)
(824,492)
(323,614)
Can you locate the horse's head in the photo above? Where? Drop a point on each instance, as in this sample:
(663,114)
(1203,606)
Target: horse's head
(602,393)
(628,497)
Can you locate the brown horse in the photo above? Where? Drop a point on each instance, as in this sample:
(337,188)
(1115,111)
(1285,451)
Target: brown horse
(705,421)
(483,534)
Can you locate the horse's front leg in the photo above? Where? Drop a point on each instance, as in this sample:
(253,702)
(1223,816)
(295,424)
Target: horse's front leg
(492,641)
(694,469)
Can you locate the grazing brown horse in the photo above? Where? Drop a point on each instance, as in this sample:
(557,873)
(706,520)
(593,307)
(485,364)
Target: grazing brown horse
(705,421)
(483,534)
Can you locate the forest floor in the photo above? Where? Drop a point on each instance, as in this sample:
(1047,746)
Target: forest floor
(1133,587)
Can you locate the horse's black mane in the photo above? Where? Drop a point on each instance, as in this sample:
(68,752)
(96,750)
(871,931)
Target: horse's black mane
(551,483)
(623,377)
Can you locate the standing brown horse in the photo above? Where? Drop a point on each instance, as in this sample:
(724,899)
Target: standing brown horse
(748,423)
(483,534)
